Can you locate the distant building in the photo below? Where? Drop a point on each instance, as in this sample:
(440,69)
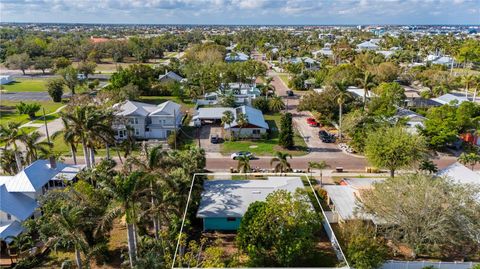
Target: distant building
(224,202)
(236,57)
(451,98)
(325,51)
(5,79)
(440,59)
(97,40)
(369,45)
(170,76)
(147,121)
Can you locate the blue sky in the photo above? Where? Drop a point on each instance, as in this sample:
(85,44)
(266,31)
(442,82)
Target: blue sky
(243,11)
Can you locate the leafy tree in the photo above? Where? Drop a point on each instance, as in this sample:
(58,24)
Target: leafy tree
(471,159)
(394,148)
(86,68)
(286,131)
(43,63)
(138,75)
(364,249)
(55,89)
(280,231)
(261,104)
(432,215)
(18,61)
(70,77)
(341,98)
(441,127)
(389,96)
(228,100)
(28,109)
(282,165)
(62,62)
(386,72)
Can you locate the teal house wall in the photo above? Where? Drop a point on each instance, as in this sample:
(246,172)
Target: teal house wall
(221,224)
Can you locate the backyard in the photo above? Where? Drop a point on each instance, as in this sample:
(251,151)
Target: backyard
(265,147)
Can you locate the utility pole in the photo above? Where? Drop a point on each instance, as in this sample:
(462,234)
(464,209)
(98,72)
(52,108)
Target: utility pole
(175,129)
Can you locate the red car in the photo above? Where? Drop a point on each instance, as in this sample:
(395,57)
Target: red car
(312,122)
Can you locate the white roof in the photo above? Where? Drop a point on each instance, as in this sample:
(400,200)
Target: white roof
(37,174)
(362,183)
(447,98)
(367,45)
(16,204)
(212,112)
(132,108)
(231,198)
(359,92)
(9,230)
(346,203)
(237,56)
(167,108)
(460,174)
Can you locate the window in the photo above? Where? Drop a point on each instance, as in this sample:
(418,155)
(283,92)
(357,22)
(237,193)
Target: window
(121,133)
(9,217)
(256,132)
(133,121)
(231,219)
(137,132)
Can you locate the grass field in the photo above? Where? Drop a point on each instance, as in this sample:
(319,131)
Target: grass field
(284,78)
(266,147)
(25,85)
(8,112)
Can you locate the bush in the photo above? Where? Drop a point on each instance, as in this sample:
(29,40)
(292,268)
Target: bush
(261,104)
(55,89)
(286,131)
(29,109)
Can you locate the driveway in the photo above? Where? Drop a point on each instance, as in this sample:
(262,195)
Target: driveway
(205,132)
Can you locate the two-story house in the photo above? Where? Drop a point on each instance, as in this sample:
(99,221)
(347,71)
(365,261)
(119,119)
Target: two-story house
(147,121)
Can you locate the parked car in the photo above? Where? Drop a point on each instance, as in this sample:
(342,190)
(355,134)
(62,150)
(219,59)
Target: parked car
(235,155)
(214,139)
(290,93)
(326,137)
(312,122)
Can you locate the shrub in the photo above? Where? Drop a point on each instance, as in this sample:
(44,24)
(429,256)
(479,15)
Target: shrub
(29,109)
(55,89)
(261,104)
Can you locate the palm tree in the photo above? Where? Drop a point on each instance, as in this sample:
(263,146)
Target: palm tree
(282,164)
(124,190)
(243,164)
(34,147)
(276,104)
(267,86)
(318,165)
(70,137)
(228,119)
(242,121)
(67,225)
(468,80)
(7,160)
(367,84)
(10,135)
(341,97)
(476,85)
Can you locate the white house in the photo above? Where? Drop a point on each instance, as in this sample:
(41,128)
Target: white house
(325,51)
(440,59)
(368,45)
(19,193)
(256,123)
(236,57)
(170,76)
(147,121)
(450,98)
(460,174)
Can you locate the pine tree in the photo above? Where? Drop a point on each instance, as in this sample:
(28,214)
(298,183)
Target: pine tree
(286,131)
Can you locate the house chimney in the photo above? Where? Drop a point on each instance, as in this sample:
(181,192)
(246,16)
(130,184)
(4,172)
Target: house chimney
(53,162)
(166,71)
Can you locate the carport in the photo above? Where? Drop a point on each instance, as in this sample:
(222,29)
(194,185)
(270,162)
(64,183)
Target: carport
(210,114)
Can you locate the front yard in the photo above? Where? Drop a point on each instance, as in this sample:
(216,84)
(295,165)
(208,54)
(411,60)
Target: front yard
(25,85)
(8,111)
(266,147)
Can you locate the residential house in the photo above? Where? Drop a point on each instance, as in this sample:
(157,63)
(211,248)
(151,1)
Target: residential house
(325,51)
(224,202)
(19,193)
(170,76)
(256,123)
(309,63)
(5,79)
(460,174)
(244,94)
(440,59)
(344,200)
(451,98)
(236,57)
(413,120)
(147,121)
(368,45)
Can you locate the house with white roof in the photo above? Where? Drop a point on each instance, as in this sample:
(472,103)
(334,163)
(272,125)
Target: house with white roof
(19,193)
(450,98)
(439,59)
(236,57)
(413,120)
(460,174)
(368,45)
(171,76)
(5,79)
(344,200)
(146,121)
(309,63)
(325,51)
(225,202)
(244,94)
(256,122)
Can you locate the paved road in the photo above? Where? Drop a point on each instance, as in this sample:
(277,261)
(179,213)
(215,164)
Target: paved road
(24,96)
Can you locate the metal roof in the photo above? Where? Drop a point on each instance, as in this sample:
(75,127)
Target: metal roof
(231,198)
(132,108)
(9,230)
(16,204)
(33,177)
(254,117)
(460,174)
(171,75)
(167,108)
(447,98)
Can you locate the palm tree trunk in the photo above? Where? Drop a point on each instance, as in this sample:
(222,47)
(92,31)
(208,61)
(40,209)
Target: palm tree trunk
(475,95)
(155,220)
(108,151)
(85,154)
(118,153)
(392,173)
(74,155)
(92,156)
(340,123)
(132,251)
(18,160)
(78,258)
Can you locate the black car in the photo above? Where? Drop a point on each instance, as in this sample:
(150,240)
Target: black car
(326,137)
(290,93)
(214,139)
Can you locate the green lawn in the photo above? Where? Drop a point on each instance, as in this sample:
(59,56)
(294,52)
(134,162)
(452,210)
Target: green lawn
(186,103)
(26,85)
(8,112)
(266,147)
(284,78)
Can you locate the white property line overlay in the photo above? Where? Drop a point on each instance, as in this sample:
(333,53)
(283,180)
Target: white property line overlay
(257,174)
